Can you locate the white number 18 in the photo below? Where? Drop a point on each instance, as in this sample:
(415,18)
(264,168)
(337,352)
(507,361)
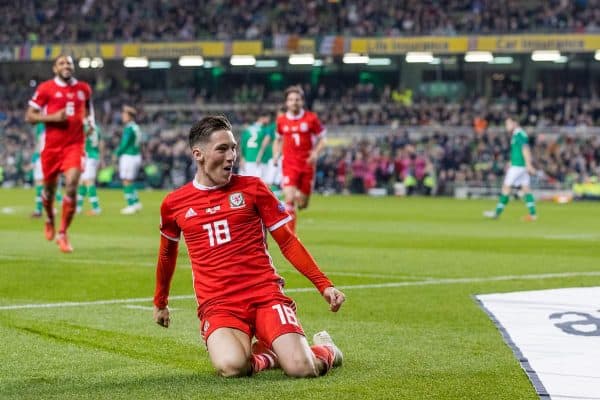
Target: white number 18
(286,314)
(218,232)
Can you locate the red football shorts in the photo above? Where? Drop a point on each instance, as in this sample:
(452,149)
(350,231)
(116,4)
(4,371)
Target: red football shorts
(301,178)
(55,161)
(266,316)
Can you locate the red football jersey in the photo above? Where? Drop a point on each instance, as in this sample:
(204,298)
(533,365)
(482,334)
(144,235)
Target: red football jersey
(54,95)
(225,232)
(299,135)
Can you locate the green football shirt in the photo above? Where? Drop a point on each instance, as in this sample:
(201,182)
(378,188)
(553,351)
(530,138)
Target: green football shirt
(267,130)
(92,143)
(131,140)
(518,140)
(250,142)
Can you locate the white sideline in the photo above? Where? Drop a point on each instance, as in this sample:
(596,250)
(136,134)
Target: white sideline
(444,281)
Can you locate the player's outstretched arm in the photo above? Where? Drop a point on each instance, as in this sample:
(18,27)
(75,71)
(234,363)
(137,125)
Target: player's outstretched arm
(295,252)
(167,258)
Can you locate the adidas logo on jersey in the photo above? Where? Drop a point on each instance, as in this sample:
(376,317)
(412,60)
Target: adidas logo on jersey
(58,95)
(190,213)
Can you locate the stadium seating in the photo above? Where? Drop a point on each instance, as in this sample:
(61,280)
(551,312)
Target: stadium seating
(146,20)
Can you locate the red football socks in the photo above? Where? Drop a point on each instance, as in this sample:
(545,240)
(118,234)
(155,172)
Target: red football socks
(326,355)
(68,210)
(260,362)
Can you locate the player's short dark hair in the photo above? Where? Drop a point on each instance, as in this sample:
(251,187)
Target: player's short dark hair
(61,55)
(294,89)
(200,132)
(130,110)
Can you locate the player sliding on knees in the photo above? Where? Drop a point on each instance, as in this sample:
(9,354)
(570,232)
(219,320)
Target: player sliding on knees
(240,296)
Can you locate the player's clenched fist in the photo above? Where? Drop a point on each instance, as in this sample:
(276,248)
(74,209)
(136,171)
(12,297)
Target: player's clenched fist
(161,316)
(334,297)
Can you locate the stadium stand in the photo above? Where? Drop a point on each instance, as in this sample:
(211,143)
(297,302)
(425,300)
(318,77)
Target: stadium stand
(150,20)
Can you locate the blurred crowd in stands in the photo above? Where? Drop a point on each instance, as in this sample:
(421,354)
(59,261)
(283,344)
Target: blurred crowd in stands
(434,142)
(58,21)
(432,161)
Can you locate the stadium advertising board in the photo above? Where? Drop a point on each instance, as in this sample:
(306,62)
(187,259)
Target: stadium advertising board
(432,44)
(462,44)
(156,50)
(529,43)
(287,44)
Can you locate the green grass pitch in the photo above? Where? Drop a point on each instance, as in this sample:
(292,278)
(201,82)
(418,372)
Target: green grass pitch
(410,328)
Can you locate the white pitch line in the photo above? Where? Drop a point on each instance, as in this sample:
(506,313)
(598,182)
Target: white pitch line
(145,308)
(446,281)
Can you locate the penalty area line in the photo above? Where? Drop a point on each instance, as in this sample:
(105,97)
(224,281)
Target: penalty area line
(445,281)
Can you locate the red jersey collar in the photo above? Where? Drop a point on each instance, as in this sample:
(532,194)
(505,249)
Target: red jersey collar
(291,116)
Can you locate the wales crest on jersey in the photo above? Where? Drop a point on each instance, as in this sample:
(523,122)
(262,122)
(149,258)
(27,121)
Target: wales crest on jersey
(236,200)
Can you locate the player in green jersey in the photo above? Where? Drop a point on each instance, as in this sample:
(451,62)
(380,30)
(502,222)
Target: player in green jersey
(130,159)
(518,175)
(87,184)
(251,144)
(269,172)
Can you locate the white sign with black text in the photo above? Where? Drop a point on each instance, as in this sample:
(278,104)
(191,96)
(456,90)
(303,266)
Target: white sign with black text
(555,334)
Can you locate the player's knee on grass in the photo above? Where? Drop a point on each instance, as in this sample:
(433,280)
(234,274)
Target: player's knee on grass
(299,366)
(230,366)
(295,357)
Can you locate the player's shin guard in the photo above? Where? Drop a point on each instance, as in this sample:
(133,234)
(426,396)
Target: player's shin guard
(93,197)
(326,355)
(502,202)
(68,210)
(262,361)
(530,202)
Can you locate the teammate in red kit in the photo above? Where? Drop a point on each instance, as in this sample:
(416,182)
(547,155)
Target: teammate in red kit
(300,139)
(62,104)
(224,218)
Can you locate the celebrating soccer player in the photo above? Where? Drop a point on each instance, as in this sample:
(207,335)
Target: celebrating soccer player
(518,173)
(223,218)
(62,104)
(300,140)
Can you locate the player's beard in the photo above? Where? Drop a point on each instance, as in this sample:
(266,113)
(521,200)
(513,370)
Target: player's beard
(67,78)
